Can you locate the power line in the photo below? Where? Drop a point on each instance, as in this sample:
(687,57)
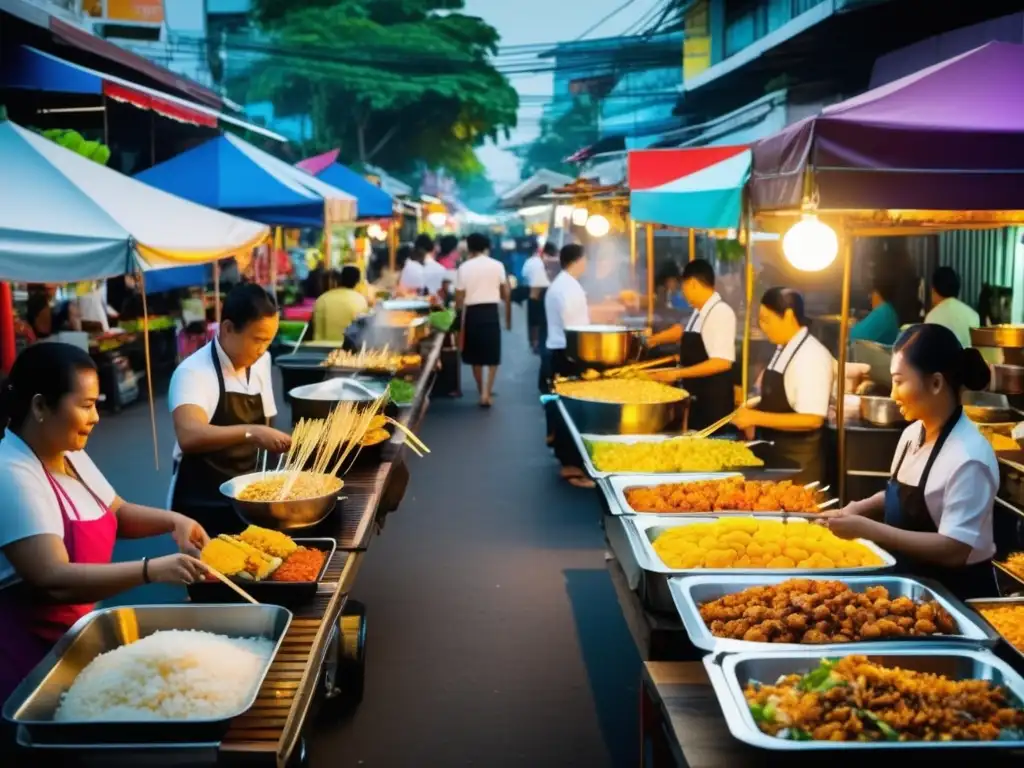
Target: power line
(605,18)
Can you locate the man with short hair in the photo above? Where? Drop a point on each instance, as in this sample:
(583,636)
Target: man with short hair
(335,310)
(707,348)
(535,276)
(413,279)
(947,309)
(435,274)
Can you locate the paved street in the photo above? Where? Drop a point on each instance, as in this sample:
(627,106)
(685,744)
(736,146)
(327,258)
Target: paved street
(494,636)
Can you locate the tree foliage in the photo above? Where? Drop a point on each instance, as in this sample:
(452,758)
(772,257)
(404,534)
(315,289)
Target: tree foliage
(562,136)
(390,82)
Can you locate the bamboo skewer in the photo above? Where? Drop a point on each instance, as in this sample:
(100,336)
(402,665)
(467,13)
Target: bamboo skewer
(228,582)
(633,367)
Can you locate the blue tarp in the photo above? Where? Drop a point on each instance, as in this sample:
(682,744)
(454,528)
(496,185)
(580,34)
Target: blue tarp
(373,202)
(178,277)
(26,68)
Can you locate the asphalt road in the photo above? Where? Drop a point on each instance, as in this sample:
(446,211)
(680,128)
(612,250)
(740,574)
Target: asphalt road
(494,635)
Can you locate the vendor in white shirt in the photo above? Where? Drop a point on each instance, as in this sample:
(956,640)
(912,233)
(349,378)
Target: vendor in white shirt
(565,306)
(61,518)
(222,402)
(535,276)
(413,279)
(936,513)
(795,388)
(707,348)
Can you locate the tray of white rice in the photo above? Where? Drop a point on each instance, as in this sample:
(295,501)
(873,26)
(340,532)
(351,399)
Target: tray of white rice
(153,675)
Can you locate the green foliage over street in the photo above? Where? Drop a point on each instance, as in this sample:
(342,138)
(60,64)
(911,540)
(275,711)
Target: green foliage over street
(560,137)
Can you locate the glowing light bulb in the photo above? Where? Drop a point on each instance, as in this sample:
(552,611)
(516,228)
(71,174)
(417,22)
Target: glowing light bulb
(598,226)
(376,232)
(437,219)
(810,245)
(580,216)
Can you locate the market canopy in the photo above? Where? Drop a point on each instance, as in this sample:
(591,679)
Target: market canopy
(371,201)
(65,218)
(232,175)
(697,188)
(947,138)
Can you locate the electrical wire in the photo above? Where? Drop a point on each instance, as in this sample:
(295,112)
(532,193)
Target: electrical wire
(607,17)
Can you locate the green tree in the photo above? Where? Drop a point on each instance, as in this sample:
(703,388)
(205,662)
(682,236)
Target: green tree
(391,82)
(562,136)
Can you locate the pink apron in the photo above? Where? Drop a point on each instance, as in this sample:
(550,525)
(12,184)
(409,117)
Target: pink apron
(31,626)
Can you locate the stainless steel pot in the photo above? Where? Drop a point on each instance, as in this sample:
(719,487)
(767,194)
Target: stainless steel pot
(626,419)
(606,345)
(316,401)
(1011,336)
(880,411)
(1008,379)
(989,408)
(278,515)
(379,333)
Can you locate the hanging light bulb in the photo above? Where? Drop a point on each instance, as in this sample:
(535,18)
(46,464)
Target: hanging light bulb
(580,216)
(376,232)
(598,226)
(810,244)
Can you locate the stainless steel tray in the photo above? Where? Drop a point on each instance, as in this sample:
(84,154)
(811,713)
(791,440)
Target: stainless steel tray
(32,705)
(642,530)
(729,673)
(617,485)
(995,602)
(691,592)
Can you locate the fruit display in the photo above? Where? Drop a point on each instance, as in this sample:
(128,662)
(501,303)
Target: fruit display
(855,699)
(1008,621)
(731,493)
(621,391)
(746,542)
(259,554)
(679,454)
(822,611)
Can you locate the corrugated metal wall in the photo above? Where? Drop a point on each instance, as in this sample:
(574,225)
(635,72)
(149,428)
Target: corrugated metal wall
(980,257)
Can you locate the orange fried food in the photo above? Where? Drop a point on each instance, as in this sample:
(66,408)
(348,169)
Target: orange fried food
(734,494)
(302,565)
(819,611)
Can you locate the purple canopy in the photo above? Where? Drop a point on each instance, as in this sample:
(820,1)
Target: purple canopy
(950,137)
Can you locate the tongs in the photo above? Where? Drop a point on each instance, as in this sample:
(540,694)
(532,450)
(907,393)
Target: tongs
(710,430)
(612,373)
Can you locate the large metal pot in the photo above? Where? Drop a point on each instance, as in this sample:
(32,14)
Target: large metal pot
(626,419)
(880,411)
(604,345)
(1010,336)
(378,333)
(989,408)
(1008,379)
(316,401)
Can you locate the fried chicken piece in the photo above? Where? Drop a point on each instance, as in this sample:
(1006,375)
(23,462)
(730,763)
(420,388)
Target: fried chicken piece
(815,637)
(796,622)
(925,627)
(902,606)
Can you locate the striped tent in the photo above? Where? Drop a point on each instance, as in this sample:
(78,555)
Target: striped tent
(698,188)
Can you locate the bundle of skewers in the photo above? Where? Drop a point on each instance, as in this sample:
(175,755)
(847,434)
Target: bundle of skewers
(371,360)
(635,370)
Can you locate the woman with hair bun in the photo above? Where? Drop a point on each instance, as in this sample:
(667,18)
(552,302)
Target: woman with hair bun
(936,513)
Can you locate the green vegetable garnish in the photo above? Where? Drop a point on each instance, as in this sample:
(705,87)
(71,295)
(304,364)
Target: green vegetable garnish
(886,730)
(401,391)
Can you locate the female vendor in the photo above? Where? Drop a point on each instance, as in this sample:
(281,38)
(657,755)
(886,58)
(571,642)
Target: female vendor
(936,513)
(795,388)
(60,516)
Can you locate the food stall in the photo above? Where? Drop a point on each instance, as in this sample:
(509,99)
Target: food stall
(766,639)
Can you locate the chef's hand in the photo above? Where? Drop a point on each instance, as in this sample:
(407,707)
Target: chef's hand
(847,511)
(851,526)
(668,375)
(270,439)
(745,418)
(189,535)
(176,569)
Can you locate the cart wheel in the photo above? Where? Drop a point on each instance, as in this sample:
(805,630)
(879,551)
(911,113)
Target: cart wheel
(352,656)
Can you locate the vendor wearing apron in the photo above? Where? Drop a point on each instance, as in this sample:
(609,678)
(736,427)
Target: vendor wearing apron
(222,400)
(795,388)
(707,348)
(61,517)
(936,513)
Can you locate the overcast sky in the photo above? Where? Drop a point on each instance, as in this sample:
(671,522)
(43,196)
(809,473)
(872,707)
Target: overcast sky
(525,22)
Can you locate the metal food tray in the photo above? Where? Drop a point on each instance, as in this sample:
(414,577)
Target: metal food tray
(691,592)
(996,602)
(287,593)
(32,705)
(641,530)
(616,486)
(730,672)
(776,467)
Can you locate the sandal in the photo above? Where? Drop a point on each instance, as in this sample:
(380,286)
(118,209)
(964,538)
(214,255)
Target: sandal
(578,481)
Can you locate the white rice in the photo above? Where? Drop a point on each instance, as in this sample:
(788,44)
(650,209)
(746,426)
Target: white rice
(172,675)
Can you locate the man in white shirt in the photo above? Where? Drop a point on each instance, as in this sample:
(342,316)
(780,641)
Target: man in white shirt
(948,310)
(222,401)
(565,306)
(413,279)
(93,307)
(480,286)
(535,276)
(435,274)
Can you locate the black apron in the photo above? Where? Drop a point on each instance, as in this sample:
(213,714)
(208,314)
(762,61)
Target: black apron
(804,448)
(712,395)
(199,475)
(564,446)
(906,509)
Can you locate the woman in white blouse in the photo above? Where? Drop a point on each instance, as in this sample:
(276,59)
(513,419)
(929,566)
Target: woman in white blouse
(61,517)
(936,513)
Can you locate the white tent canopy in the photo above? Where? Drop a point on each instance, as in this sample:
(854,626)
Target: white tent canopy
(65,218)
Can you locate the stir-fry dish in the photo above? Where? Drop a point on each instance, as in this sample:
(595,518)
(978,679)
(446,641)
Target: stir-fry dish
(1008,621)
(289,487)
(855,699)
(680,454)
(819,611)
(259,554)
(371,360)
(1015,564)
(732,493)
(750,543)
(624,391)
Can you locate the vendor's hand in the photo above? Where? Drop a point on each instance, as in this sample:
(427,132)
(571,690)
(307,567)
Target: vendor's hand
(270,439)
(176,569)
(745,418)
(847,511)
(851,526)
(189,535)
(667,375)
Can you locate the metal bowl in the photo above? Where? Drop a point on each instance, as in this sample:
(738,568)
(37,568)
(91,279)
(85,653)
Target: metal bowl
(1010,336)
(1008,379)
(626,418)
(278,515)
(880,411)
(316,401)
(606,345)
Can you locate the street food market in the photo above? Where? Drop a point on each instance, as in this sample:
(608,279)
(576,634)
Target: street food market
(720,403)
